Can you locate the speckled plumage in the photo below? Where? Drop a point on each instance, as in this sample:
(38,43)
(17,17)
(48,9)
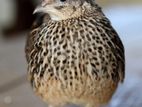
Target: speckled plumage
(79,60)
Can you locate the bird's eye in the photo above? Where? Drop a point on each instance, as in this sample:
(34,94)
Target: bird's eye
(62,0)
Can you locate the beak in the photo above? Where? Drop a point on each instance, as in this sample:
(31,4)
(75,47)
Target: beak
(39,9)
(43,4)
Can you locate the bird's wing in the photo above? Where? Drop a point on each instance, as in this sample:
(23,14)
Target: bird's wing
(33,35)
(31,39)
(117,48)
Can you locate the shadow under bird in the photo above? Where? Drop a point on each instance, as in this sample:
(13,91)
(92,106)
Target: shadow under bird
(74,55)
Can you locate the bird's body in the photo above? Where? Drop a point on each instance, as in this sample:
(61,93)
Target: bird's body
(76,60)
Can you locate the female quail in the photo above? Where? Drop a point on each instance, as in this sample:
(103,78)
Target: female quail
(74,55)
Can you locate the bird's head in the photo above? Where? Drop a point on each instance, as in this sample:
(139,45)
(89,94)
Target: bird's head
(62,9)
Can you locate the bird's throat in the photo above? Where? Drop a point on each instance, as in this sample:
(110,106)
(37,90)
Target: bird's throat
(67,13)
(64,14)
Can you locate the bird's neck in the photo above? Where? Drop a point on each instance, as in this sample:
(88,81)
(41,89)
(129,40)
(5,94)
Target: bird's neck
(69,12)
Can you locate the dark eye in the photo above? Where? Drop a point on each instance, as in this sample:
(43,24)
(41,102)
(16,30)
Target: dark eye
(62,0)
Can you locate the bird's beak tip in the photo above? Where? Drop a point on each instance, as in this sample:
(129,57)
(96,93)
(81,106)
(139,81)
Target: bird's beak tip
(38,9)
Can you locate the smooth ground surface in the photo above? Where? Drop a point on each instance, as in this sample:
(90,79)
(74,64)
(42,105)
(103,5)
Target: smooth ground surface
(15,91)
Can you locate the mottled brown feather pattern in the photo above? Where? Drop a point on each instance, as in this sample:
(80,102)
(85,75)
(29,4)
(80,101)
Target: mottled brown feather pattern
(78,60)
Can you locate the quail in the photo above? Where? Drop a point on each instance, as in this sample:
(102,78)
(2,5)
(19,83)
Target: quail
(74,55)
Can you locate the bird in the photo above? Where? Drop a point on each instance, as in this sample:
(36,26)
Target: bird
(74,55)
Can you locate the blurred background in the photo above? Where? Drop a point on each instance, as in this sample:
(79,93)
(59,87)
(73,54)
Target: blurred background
(15,20)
